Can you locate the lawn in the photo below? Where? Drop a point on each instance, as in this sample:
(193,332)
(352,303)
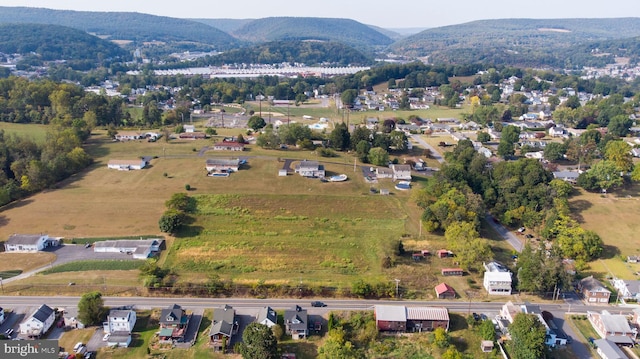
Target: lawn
(108,282)
(24,261)
(70,338)
(36,132)
(614,218)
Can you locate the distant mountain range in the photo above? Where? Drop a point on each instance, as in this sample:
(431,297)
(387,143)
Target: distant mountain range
(524,42)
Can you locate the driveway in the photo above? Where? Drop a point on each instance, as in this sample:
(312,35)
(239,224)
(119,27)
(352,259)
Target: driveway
(434,153)
(505,233)
(70,253)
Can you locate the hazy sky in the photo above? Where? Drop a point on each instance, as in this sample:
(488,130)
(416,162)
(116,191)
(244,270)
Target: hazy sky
(414,13)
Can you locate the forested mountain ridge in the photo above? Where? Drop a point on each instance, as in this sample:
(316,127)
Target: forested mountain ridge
(524,42)
(122,25)
(346,31)
(54,42)
(226,25)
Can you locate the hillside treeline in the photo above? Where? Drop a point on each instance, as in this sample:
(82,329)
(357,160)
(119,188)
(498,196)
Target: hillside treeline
(308,52)
(24,101)
(50,42)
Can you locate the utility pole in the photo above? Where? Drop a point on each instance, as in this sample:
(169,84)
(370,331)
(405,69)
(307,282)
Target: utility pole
(397,287)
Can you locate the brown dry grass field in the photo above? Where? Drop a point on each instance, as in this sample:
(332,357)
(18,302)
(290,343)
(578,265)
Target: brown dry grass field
(24,261)
(615,218)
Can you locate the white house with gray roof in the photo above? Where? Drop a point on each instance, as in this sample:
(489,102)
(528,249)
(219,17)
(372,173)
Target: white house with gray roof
(609,350)
(267,316)
(627,289)
(39,322)
(29,242)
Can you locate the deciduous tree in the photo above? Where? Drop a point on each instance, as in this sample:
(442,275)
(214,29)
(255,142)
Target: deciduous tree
(258,341)
(91,308)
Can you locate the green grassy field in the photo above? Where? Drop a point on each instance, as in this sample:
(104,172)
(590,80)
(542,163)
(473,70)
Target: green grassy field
(35,132)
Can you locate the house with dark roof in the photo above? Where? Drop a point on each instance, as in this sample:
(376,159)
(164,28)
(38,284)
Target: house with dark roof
(296,322)
(593,291)
(267,316)
(173,323)
(444,291)
(39,322)
(29,242)
(223,327)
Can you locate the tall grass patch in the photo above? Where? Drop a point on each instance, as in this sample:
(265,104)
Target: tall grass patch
(322,239)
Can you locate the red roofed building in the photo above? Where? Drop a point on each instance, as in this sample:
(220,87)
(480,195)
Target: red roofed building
(444,291)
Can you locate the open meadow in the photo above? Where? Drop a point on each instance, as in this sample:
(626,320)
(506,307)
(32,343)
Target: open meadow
(614,217)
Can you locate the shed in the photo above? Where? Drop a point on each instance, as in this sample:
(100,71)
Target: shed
(444,253)
(282,173)
(486,346)
(444,291)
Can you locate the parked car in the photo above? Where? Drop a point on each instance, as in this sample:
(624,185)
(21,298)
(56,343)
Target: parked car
(87,245)
(8,332)
(106,337)
(318,304)
(77,346)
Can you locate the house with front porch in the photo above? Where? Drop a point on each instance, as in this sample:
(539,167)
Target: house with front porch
(119,325)
(223,327)
(296,322)
(173,323)
(222,165)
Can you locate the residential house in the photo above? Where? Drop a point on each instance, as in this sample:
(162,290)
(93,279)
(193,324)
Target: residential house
(138,248)
(223,327)
(222,165)
(70,318)
(296,322)
(444,291)
(635,152)
(609,350)
(129,136)
(174,322)
(485,152)
(497,279)
(39,322)
(557,131)
(384,172)
(119,325)
(569,176)
(607,324)
(627,289)
(127,165)
(371,123)
(509,311)
(593,291)
(228,146)
(633,259)
(553,336)
(29,242)
(401,172)
(310,169)
(267,316)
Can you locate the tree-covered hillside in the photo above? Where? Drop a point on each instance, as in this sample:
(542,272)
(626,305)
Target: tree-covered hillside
(524,42)
(53,42)
(226,25)
(307,52)
(307,28)
(122,25)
